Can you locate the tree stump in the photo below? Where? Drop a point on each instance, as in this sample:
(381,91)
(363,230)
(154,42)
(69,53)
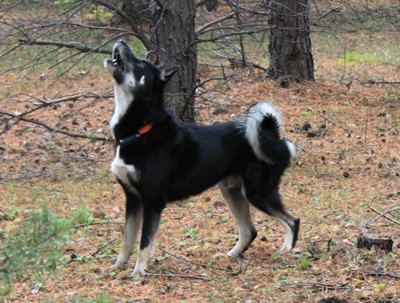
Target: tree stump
(368,243)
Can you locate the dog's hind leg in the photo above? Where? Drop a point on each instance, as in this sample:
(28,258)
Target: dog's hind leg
(151,222)
(132,229)
(271,204)
(231,189)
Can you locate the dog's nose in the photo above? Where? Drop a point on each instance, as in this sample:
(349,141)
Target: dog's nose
(121,41)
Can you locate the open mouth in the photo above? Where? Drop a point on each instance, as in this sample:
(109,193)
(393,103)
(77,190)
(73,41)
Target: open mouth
(116,60)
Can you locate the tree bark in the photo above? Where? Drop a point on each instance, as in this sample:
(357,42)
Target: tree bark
(173,36)
(290,44)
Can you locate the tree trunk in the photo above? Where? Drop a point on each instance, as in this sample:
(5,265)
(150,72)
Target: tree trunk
(173,35)
(290,44)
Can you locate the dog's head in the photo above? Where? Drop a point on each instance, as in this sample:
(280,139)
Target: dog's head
(135,76)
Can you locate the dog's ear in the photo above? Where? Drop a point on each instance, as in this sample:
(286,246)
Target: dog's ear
(166,74)
(152,57)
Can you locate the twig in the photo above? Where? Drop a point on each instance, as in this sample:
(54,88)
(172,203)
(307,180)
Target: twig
(397,207)
(380,82)
(317,285)
(73,45)
(201,29)
(259,266)
(177,276)
(334,10)
(198,264)
(96,223)
(382,274)
(366,225)
(102,247)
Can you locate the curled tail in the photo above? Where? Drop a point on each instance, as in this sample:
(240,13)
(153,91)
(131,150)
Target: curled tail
(262,125)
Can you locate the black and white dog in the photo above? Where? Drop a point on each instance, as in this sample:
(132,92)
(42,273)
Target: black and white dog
(159,160)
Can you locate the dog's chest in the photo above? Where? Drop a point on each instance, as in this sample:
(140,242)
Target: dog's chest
(126,173)
(123,100)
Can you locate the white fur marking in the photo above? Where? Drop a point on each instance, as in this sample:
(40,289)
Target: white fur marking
(142,80)
(254,118)
(123,99)
(287,244)
(239,207)
(122,102)
(143,259)
(124,172)
(144,256)
(292,149)
(131,234)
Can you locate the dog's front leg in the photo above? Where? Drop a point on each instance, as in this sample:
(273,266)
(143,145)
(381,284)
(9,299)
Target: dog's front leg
(151,221)
(132,230)
(133,224)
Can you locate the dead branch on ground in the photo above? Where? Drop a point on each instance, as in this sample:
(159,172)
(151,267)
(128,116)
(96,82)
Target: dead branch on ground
(381,214)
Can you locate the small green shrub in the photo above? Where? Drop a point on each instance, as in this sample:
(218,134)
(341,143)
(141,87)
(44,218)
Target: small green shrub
(34,250)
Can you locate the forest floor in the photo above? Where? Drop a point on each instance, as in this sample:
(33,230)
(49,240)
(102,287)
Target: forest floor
(346,176)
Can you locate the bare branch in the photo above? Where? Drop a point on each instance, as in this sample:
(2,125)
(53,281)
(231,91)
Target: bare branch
(72,45)
(43,104)
(138,33)
(201,29)
(52,129)
(11,7)
(334,10)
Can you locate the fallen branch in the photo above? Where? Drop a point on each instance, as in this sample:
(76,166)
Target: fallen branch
(388,211)
(380,82)
(317,285)
(177,276)
(198,264)
(382,214)
(96,223)
(102,247)
(382,274)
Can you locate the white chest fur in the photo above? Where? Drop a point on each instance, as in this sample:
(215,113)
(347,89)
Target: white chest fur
(125,172)
(123,100)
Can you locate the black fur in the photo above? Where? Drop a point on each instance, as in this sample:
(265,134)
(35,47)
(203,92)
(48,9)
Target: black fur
(175,160)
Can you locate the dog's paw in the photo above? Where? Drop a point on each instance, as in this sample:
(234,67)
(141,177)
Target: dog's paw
(219,255)
(140,270)
(115,267)
(234,254)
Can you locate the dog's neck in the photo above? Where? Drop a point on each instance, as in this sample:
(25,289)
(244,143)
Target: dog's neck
(133,115)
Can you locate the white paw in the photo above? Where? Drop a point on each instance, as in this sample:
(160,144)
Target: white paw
(284,249)
(116,266)
(140,269)
(234,254)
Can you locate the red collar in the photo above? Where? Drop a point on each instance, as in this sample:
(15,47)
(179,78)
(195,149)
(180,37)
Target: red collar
(134,138)
(145,129)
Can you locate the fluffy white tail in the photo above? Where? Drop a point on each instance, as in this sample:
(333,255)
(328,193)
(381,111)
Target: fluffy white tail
(262,130)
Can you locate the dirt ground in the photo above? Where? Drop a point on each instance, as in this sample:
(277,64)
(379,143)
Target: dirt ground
(347,174)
